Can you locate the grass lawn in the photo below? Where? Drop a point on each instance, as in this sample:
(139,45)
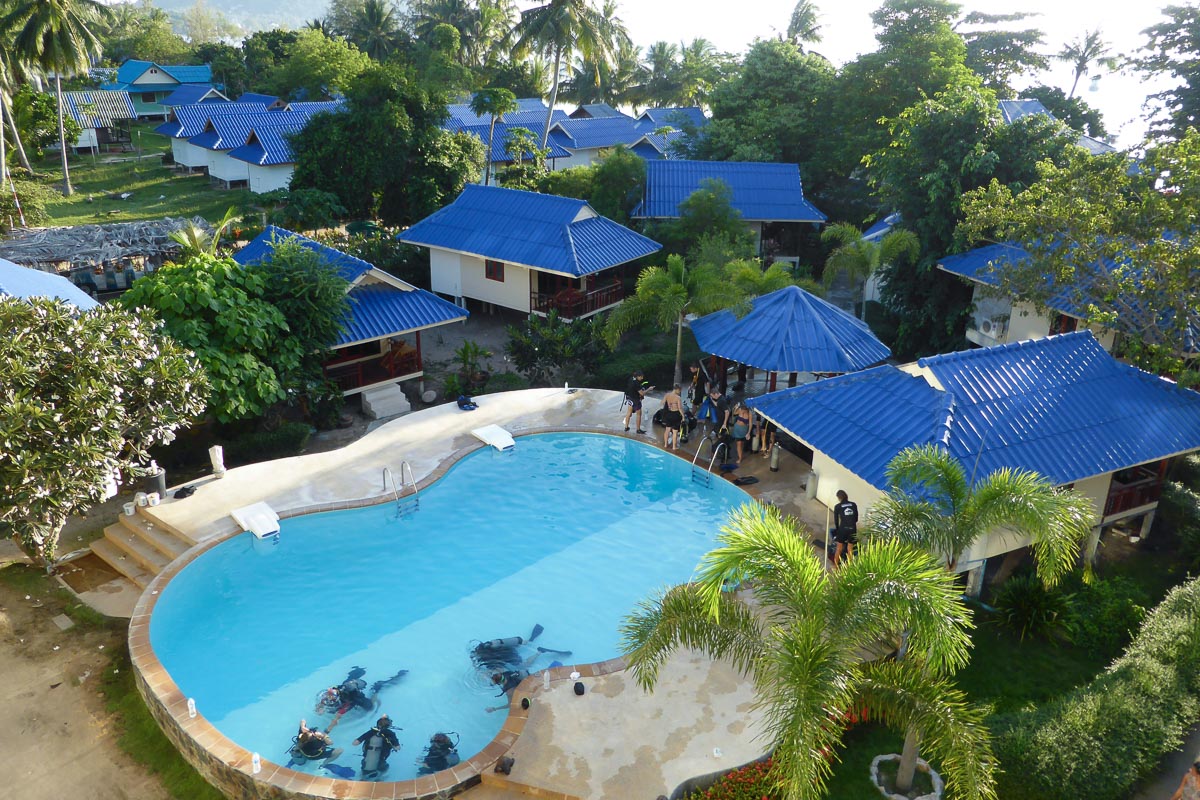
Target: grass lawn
(156,190)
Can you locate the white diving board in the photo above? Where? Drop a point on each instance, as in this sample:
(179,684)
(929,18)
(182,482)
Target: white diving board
(494,435)
(258,518)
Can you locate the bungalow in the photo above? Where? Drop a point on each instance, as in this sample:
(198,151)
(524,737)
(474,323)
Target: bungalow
(526,251)
(1059,406)
(149,84)
(103,116)
(26,282)
(192,93)
(500,156)
(184,122)
(269,156)
(586,139)
(225,132)
(655,146)
(770,197)
(380,342)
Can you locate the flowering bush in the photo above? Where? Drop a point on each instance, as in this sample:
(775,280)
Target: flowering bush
(751,782)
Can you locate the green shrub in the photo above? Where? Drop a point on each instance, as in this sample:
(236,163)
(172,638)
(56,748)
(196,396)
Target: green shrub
(1187,472)
(1102,615)
(1178,516)
(34,199)
(286,440)
(505,382)
(1026,606)
(1101,739)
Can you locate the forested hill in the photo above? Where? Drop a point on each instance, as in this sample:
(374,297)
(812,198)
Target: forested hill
(257,14)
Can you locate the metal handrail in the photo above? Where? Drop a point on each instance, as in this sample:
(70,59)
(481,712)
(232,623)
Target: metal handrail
(716,452)
(412,480)
(387,478)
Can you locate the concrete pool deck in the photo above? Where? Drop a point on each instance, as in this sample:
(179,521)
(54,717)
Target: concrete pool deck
(614,741)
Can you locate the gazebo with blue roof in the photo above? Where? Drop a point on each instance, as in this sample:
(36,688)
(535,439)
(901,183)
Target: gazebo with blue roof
(380,342)
(527,251)
(1059,406)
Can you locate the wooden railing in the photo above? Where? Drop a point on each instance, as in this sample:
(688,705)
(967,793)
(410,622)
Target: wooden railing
(354,374)
(574,303)
(1134,494)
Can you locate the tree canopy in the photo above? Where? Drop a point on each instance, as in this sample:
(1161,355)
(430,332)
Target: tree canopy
(317,67)
(83,396)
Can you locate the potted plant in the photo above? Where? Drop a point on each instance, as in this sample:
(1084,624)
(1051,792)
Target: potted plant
(471,373)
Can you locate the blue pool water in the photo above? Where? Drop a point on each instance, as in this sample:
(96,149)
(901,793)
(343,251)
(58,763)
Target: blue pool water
(568,531)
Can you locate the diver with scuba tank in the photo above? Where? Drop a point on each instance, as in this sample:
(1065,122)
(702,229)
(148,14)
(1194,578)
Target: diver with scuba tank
(377,744)
(442,753)
(502,658)
(351,694)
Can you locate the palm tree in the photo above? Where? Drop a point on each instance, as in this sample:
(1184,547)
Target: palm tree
(1082,52)
(661,87)
(559,28)
(320,26)
(697,73)
(462,15)
(493,103)
(375,28)
(200,240)
(803,27)
(860,258)
(665,295)
(749,279)
(55,35)
(804,648)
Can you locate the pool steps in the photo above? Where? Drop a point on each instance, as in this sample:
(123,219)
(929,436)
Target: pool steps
(138,547)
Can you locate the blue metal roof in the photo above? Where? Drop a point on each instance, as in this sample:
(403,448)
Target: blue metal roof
(674,116)
(190,93)
(1013,110)
(790,330)
(653,146)
(546,232)
(23,282)
(525,105)
(260,248)
(587,134)
(1060,406)
(596,110)
(500,140)
(268,146)
(133,69)
(267,100)
(317,106)
(379,309)
(99,109)
(227,131)
(883,227)
(184,122)
(761,191)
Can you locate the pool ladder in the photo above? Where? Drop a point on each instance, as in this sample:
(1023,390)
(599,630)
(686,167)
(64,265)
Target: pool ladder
(406,503)
(703,476)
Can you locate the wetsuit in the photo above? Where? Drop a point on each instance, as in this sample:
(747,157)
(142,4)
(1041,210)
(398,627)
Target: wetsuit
(845,522)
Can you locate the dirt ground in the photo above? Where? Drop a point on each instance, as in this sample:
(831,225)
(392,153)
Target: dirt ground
(59,741)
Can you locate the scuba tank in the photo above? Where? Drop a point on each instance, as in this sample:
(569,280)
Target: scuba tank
(372,754)
(500,644)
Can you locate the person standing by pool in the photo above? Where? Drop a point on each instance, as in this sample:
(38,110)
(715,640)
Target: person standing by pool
(635,393)
(741,429)
(377,743)
(845,527)
(672,418)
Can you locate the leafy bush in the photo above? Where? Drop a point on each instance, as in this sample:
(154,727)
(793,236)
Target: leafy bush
(401,260)
(548,349)
(34,198)
(1026,606)
(307,210)
(505,382)
(1187,472)
(1101,739)
(1102,615)
(286,440)
(751,782)
(1179,516)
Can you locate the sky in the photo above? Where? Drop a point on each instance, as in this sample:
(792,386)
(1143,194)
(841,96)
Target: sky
(847,31)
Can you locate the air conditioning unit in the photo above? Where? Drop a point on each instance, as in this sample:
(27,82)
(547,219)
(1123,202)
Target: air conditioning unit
(985,327)
(999,328)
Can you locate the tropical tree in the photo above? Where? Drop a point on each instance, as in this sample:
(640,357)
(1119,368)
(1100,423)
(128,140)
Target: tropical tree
(195,239)
(557,29)
(803,647)
(858,258)
(664,296)
(83,396)
(803,27)
(492,103)
(57,36)
(1082,53)
(375,28)
(12,71)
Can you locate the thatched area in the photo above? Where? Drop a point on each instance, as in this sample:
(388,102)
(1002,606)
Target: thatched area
(93,247)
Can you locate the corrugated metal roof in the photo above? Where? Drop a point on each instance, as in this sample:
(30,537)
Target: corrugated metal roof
(587,134)
(262,246)
(653,146)
(761,191)
(23,282)
(1059,406)
(99,109)
(525,105)
(596,110)
(268,146)
(184,122)
(674,116)
(317,106)
(267,100)
(133,69)
(190,93)
(883,227)
(791,330)
(531,229)
(227,131)
(500,140)
(378,310)
(1013,110)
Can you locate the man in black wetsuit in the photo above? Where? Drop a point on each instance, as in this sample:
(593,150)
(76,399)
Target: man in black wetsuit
(380,739)
(845,527)
(635,393)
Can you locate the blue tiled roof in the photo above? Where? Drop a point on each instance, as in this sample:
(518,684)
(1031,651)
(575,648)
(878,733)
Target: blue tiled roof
(761,191)
(23,282)
(587,134)
(190,73)
(227,131)
(377,309)
(268,147)
(883,227)
(500,141)
(99,109)
(261,247)
(184,122)
(790,330)
(1059,406)
(189,93)
(675,117)
(556,234)
(525,105)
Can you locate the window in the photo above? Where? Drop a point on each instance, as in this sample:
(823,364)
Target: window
(149,97)
(493,270)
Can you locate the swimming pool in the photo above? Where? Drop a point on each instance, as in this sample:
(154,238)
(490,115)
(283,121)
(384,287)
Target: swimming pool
(567,531)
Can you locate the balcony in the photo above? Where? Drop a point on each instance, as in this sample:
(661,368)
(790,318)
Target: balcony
(1133,488)
(573,303)
(354,374)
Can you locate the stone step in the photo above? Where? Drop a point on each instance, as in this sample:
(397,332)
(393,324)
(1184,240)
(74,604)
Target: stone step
(147,512)
(146,555)
(155,535)
(385,401)
(122,562)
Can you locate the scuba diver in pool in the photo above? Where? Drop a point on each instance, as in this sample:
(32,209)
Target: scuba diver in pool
(352,694)
(442,753)
(502,658)
(377,744)
(312,744)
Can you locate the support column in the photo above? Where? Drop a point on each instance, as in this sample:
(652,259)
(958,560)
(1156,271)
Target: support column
(1093,542)
(1147,523)
(975,580)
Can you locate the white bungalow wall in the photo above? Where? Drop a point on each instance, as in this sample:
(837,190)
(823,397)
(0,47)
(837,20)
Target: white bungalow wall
(187,154)
(221,166)
(1024,321)
(270,178)
(87,139)
(578,158)
(512,292)
(832,476)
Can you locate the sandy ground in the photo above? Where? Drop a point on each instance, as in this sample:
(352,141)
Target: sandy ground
(59,742)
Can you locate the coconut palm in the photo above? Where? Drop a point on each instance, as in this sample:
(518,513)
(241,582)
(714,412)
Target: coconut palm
(1082,52)
(375,28)
(804,648)
(699,70)
(492,103)
(803,27)
(661,86)
(56,35)
(859,258)
(559,28)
